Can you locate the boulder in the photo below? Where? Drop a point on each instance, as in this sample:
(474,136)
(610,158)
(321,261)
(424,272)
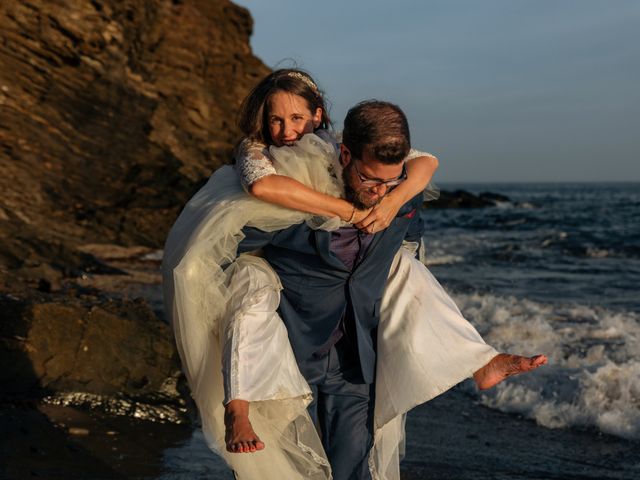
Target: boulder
(464,199)
(102,346)
(494,197)
(112,113)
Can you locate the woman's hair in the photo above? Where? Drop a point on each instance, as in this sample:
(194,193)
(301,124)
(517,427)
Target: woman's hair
(254,110)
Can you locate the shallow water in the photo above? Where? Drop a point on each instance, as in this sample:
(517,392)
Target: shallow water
(554,271)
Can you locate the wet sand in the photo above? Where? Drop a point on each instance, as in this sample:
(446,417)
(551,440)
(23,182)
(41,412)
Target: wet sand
(451,437)
(52,442)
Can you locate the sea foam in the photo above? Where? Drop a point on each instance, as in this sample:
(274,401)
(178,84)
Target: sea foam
(593,375)
(443,259)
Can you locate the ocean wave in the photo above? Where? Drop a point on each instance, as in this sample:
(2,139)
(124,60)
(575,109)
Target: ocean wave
(442,259)
(555,238)
(513,222)
(527,206)
(593,376)
(593,252)
(607,399)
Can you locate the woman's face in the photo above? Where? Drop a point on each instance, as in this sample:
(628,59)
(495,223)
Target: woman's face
(289,118)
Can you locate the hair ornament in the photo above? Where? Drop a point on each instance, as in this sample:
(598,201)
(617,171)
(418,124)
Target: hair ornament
(305,79)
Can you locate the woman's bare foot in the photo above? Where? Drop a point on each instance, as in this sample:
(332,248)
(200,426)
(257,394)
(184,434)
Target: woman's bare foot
(505,365)
(239,434)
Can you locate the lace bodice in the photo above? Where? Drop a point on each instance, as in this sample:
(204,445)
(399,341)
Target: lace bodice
(253,160)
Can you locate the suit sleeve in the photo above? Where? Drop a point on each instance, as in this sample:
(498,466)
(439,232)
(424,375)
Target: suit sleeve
(416,226)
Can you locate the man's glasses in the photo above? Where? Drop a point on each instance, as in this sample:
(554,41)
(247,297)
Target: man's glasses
(368,182)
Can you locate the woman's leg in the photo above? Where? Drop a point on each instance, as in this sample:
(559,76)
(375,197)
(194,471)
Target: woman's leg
(505,365)
(258,363)
(239,434)
(426,346)
(245,302)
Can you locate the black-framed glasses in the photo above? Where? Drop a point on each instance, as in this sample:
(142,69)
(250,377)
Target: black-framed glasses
(368,182)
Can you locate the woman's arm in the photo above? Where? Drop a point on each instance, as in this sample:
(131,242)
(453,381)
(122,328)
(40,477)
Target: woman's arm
(420,170)
(261,180)
(290,193)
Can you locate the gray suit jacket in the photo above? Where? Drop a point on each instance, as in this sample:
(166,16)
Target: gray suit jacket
(319,288)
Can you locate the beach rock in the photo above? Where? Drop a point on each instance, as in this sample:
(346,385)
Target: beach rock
(90,344)
(494,197)
(112,113)
(464,199)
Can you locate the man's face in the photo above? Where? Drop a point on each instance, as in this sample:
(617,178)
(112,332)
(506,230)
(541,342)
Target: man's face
(366,169)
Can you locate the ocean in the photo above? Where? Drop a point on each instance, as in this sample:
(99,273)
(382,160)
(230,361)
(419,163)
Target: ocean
(555,270)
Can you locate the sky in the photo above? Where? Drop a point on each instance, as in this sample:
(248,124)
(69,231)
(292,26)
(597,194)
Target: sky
(498,90)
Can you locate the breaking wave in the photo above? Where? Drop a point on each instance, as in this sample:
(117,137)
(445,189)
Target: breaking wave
(593,375)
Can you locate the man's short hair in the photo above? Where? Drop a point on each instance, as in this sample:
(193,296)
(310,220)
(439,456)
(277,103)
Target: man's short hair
(381,127)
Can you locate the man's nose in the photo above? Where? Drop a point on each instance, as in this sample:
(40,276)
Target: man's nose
(289,131)
(380,189)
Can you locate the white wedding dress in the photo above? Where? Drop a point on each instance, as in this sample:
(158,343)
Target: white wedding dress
(223,311)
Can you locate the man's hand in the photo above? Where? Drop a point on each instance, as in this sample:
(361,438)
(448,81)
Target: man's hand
(380,216)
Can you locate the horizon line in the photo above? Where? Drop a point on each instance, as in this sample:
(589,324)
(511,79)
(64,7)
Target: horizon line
(628,182)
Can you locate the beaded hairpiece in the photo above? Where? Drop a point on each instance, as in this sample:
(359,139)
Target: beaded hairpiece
(305,79)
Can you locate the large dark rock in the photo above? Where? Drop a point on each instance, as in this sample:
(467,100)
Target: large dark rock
(92,345)
(112,114)
(464,199)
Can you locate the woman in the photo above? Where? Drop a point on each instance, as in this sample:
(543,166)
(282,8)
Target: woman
(284,107)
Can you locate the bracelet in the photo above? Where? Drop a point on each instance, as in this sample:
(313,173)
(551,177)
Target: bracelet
(353,215)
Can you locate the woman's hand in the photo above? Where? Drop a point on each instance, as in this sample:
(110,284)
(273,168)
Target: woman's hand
(380,216)
(360,215)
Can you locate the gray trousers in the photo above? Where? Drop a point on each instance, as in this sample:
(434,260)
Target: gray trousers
(342,409)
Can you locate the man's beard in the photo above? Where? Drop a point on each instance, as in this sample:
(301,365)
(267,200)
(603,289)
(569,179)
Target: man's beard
(357,197)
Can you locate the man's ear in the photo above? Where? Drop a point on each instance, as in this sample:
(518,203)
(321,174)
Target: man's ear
(317,118)
(345,156)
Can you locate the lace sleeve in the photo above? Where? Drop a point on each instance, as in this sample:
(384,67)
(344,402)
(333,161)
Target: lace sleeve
(431,191)
(253,162)
(413,153)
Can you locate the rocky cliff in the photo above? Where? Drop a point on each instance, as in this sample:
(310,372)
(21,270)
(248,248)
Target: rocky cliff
(112,113)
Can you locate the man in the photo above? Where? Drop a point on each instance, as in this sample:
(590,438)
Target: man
(333,284)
